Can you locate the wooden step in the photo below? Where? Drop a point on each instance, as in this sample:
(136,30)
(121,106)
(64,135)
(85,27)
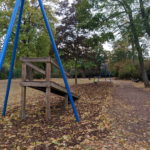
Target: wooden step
(55,88)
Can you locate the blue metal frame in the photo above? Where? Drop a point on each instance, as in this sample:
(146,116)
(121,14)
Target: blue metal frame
(59,60)
(13,58)
(8,35)
(4,50)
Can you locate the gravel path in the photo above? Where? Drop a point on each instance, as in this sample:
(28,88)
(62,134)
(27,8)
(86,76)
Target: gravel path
(131,113)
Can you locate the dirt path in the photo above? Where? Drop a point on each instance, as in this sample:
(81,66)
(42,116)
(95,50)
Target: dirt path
(131,117)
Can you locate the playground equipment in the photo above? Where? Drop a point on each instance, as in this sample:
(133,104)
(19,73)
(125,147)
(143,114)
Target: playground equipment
(19,6)
(46,86)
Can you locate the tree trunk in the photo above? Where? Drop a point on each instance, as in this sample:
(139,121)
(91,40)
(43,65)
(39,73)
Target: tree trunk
(138,47)
(145,17)
(76,72)
(133,49)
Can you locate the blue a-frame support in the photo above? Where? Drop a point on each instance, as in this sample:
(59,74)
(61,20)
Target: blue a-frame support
(19,8)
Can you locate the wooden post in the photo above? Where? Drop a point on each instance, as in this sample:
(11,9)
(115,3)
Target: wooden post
(23,92)
(48,90)
(23,102)
(66,100)
(24,72)
(48,111)
(48,71)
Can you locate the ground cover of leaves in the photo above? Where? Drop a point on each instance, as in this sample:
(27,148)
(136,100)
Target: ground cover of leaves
(130,111)
(61,132)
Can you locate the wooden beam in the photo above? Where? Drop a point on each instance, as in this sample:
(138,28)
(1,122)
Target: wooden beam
(42,59)
(35,68)
(44,84)
(56,65)
(39,59)
(36,84)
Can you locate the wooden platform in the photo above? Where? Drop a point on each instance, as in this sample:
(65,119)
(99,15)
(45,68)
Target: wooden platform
(47,86)
(42,85)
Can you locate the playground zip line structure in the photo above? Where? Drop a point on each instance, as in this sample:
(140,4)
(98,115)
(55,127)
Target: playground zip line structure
(18,8)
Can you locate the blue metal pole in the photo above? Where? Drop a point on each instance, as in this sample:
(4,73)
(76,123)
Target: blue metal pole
(13,58)
(8,35)
(59,60)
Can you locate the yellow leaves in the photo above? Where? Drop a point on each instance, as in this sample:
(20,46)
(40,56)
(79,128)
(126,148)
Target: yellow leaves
(55,141)
(122,141)
(37,125)
(85,114)
(52,140)
(61,132)
(88,145)
(66,137)
(19,148)
(11,136)
(79,138)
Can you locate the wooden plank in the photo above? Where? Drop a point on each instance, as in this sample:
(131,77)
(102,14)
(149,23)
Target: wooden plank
(35,68)
(42,59)
(39,59)
(56,65)
(23,103)
(47,106)
(58,87)
(61,89)
(44,84)
(35,84)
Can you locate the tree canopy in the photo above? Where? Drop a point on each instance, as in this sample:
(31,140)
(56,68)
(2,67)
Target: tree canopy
(121,19)
(34,40)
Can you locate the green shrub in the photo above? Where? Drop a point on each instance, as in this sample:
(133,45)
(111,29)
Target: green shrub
(17,73)
(5,72)
(125,70)
(128,70)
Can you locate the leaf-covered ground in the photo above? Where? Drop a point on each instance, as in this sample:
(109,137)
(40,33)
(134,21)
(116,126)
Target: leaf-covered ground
(61,132)
(130,110)
(114,116)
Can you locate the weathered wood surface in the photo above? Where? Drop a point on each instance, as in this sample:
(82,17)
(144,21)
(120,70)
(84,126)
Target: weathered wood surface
(46,86)
(55,88)
(66,100)
(35,68)
(48,71)
(24,72)
(41,59)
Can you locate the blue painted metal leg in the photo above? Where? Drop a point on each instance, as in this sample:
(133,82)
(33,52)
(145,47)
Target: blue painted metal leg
(58,60)
(13,59)
(8,35)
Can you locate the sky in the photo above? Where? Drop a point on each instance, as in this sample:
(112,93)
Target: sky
(107,46)
(70,1)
